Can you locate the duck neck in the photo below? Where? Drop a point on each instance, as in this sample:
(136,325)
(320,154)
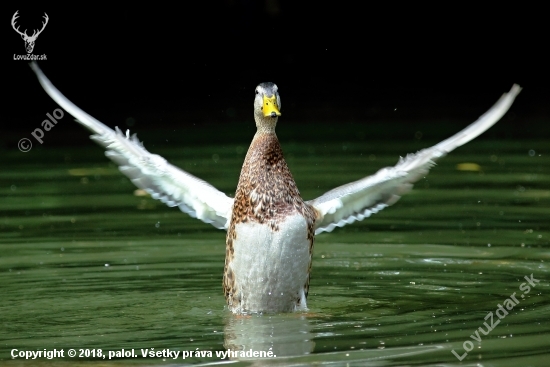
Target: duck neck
(265,125)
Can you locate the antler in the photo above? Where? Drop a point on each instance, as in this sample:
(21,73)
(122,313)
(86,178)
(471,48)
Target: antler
(43,26)
(15,16)
(24,34)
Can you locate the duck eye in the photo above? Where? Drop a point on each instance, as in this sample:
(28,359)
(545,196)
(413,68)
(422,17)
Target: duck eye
(257,92)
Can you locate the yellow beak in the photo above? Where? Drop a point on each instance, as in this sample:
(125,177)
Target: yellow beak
(270,107)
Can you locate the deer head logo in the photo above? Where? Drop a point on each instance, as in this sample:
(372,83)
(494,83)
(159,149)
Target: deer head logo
(29,40)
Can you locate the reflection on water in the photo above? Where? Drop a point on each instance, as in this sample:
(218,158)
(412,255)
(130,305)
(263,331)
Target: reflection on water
(88,262)
(284,335)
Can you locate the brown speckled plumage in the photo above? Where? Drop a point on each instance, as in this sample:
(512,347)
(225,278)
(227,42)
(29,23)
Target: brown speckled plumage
(266,193)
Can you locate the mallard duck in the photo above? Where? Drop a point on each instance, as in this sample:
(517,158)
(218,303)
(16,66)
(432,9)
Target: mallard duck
(270,228)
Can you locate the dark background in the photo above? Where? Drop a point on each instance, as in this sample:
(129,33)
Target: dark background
(177,66)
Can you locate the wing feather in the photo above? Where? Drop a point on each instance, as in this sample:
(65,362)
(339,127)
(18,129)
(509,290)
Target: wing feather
(358,200)
(149,172)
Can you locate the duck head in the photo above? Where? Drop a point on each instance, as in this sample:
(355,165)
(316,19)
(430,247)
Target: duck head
(267,105)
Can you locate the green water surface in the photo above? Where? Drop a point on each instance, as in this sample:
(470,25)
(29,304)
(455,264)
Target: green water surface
(87,263)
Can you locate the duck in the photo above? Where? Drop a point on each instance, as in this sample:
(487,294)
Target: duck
(270,228)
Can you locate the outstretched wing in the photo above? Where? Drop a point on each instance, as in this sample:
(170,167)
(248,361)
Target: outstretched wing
(150,172)
(359,199)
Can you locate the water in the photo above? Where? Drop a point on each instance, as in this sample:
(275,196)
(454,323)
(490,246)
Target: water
(88,263)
